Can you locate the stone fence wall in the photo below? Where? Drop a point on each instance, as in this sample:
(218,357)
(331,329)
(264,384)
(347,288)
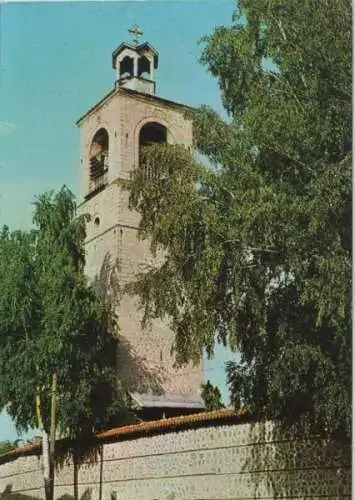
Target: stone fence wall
(190,458)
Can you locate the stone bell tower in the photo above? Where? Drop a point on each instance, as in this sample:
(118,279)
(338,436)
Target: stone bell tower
(112,133)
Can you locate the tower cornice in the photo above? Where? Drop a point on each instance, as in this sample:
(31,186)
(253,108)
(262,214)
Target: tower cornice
(135,95)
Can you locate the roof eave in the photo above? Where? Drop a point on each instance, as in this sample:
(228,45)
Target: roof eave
(168,401)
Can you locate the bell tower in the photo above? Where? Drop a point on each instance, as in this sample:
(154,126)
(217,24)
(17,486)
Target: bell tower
(135,64)
(112,132)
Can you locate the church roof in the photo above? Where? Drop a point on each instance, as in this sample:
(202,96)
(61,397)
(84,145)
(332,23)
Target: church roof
(167,400)
(140,49)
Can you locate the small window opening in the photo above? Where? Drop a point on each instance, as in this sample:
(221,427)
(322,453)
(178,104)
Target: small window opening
(97,221)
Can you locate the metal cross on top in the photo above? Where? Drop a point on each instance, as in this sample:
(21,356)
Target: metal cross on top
(136,33)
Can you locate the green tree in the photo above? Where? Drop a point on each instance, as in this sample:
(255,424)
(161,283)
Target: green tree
(53,326)
(211,396)
(256,245)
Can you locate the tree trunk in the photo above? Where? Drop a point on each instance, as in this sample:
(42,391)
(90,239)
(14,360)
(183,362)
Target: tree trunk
(52,439)
(76,473)
(45,447)
(46,465)
(48,446)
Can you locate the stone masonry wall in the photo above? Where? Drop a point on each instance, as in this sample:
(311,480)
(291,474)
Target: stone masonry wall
(224,462)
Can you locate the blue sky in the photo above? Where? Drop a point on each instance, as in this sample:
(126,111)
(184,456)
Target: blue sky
(56,63)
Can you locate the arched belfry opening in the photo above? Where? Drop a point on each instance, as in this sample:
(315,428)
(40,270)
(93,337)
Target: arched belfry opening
(144,68)
(98,154)
(151,133)
(127,68)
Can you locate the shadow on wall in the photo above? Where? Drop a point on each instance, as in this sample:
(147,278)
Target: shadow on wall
(79,453)
(7,494)
(106,283)
(87,495)
(134,374)
(75,454)
(285,462)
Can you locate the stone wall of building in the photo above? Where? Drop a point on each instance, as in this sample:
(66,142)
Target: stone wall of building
(227,460)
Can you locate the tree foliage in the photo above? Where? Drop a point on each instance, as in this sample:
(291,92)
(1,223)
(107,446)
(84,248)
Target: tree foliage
(211,396)
(52,322)
(256,246)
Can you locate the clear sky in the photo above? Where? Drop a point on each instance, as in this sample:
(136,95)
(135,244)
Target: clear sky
(55,63)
